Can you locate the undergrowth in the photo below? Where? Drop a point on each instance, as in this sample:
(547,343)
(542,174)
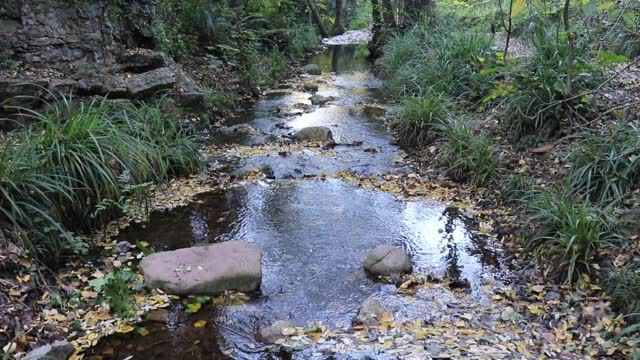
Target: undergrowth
(75,157)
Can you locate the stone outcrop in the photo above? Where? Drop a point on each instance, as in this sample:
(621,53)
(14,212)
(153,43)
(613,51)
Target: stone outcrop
(58,350)
(205,270)
(46,32)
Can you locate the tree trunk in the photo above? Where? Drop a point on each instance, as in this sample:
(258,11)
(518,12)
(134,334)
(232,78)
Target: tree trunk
(387,14)
(567,29)
(338,27)
(377,28)
(317,18)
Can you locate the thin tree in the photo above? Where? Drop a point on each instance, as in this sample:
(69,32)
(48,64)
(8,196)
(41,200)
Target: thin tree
(387,14)
(338,27)
(377,28)
(567,29)
(317,18)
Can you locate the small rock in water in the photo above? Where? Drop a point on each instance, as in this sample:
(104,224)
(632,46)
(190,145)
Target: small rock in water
(121,247)
(374,111)
(318,99)
(310,87)
(387,260)
(312,69)
(59,350)
(273,332)
(320,133)
(370,313)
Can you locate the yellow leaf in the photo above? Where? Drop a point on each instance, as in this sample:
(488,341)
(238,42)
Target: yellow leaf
(200,323)
(124,328)
(534,309)
(142,331)
(193,308)
(386,316)
(517,6)
(388,344)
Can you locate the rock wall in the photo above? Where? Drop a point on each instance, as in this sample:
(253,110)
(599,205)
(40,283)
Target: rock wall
(59,32)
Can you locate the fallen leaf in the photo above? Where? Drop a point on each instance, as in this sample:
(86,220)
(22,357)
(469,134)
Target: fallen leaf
(200,323)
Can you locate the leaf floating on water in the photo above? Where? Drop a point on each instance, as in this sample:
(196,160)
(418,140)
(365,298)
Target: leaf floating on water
(199,323)
(142,331)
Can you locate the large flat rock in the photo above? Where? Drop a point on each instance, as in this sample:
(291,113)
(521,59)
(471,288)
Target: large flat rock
(205,270)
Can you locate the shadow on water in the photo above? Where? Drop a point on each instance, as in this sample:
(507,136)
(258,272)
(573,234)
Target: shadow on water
(314,235)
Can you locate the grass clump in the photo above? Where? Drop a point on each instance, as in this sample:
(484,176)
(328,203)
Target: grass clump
(624,287)
(607,168)
(537,98)
(468,155)
(570,232)
(439,58)
(77,157)
(420,119)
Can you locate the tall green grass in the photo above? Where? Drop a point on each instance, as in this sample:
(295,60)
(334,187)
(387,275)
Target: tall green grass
(420,120)
(569,233)
(74,156)
(607,167)
(442,58)
(469,156)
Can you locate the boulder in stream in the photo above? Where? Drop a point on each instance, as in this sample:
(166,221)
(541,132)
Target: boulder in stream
(312,69)
(205,270)
(58,350)
(370,313)
(310,87)
(387,260)
(269,334)
(320,133)
(318,99)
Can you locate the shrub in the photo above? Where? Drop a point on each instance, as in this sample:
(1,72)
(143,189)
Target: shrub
(515,188)
(420,120)
(468,155)
(301,39)
(606,168)
(570,231)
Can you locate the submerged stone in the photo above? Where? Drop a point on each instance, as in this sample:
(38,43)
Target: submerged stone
(370,313)
(387,260)
(273,332)
(205,270)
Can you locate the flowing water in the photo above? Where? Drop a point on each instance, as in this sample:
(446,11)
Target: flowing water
(313,233)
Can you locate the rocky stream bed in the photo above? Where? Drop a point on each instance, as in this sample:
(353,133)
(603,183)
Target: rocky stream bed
(315,209)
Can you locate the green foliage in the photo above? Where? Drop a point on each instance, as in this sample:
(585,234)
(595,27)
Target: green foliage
(115,288)
(607,168)
(570,232)
(536,98)
(515,188)
(469,156)
(420,120)
(219,101)
(301,39)
(76,159)
(442,58)
(624,287)
(361,18)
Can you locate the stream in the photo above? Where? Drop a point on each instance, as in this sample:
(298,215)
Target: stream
(314,232)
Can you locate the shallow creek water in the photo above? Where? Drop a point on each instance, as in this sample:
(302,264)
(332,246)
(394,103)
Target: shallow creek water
(313,233)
